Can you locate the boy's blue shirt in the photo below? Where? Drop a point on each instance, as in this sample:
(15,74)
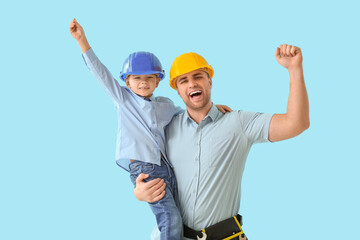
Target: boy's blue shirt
(141,122)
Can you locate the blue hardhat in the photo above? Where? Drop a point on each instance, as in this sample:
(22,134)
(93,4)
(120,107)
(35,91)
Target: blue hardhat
(142,63)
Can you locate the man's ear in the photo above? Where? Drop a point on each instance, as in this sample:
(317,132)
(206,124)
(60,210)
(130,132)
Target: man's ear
(210,82)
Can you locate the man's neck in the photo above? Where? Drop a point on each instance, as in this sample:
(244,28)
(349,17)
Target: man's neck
(199,114)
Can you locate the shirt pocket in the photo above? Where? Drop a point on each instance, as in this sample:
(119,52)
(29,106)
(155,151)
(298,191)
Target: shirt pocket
(219,146)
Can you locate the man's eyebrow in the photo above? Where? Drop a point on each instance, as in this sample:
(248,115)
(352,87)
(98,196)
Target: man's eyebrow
(196,74)
(183,78)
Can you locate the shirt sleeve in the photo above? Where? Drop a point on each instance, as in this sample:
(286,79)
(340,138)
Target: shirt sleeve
(256,125)
(173,110)
(178,110)
(103,75)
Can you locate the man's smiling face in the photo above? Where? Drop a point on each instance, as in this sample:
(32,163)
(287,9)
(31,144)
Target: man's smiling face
(195,89)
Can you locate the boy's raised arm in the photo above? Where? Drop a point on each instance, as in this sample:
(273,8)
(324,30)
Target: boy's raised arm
(78,33)
(101,73)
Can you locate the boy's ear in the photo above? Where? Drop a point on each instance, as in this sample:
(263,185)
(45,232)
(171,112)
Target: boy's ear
(127,82)
(157,81)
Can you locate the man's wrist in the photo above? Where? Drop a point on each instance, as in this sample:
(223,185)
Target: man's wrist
(295,69)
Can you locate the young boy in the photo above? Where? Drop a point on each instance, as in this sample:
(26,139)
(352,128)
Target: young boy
(142,119)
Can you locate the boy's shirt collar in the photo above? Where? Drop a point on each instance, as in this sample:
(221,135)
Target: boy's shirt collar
(150,99)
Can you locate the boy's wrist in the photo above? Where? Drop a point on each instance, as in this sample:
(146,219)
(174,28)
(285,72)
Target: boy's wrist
(82,39)
(84,44)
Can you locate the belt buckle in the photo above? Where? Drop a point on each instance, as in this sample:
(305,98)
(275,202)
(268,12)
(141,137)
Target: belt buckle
(203,237)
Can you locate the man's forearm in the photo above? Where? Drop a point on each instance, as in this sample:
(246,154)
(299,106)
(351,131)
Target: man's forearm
(296,119)
(298,103)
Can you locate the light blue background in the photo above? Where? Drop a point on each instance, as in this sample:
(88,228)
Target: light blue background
(58,178)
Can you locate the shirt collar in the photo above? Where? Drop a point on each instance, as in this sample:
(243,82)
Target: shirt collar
(152,98)
(212,114)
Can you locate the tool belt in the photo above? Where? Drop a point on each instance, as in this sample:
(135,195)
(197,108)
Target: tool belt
(227,229)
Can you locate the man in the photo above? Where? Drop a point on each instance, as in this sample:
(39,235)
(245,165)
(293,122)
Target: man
(208,150)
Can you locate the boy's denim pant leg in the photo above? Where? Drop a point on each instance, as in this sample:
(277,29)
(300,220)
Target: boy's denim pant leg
(166,209)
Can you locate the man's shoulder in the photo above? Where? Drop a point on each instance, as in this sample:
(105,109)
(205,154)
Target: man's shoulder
(229,115)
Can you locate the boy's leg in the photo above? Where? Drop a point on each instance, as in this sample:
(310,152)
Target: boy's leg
(168,217)
(166,211)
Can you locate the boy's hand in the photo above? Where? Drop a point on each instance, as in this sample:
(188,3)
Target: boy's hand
(151,191)
(76,30)
(78,33)
(223,108)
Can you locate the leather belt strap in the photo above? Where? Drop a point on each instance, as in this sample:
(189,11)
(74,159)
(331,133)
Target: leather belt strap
(227,229)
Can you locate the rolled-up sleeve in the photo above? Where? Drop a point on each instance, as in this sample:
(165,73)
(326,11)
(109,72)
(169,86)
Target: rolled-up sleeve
(256,125)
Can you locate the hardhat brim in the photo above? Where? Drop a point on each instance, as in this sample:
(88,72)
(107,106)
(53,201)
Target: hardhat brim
(208,67)
(161,74)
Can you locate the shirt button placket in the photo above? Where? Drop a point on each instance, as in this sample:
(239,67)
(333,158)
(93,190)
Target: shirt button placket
(197,141)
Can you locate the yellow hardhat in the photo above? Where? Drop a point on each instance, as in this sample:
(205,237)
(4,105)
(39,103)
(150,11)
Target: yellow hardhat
(188,62)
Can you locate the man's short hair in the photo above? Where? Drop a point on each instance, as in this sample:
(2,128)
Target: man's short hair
(206,71)
(202,69)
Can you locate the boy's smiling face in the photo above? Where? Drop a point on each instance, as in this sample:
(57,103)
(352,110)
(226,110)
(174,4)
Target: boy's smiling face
(143,85)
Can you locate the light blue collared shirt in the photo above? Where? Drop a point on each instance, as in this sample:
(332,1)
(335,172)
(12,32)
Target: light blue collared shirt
(209,160)
(141,123)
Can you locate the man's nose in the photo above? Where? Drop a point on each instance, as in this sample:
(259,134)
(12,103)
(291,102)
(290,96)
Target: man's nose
(192,83)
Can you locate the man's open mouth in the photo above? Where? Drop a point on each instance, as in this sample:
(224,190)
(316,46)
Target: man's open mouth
(195,94)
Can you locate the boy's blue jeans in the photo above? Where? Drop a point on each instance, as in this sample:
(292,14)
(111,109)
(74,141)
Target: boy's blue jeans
(166,209)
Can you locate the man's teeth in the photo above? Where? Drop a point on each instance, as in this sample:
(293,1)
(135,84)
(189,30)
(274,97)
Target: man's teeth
(196,92)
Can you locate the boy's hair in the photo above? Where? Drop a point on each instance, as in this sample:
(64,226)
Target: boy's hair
(156,75)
